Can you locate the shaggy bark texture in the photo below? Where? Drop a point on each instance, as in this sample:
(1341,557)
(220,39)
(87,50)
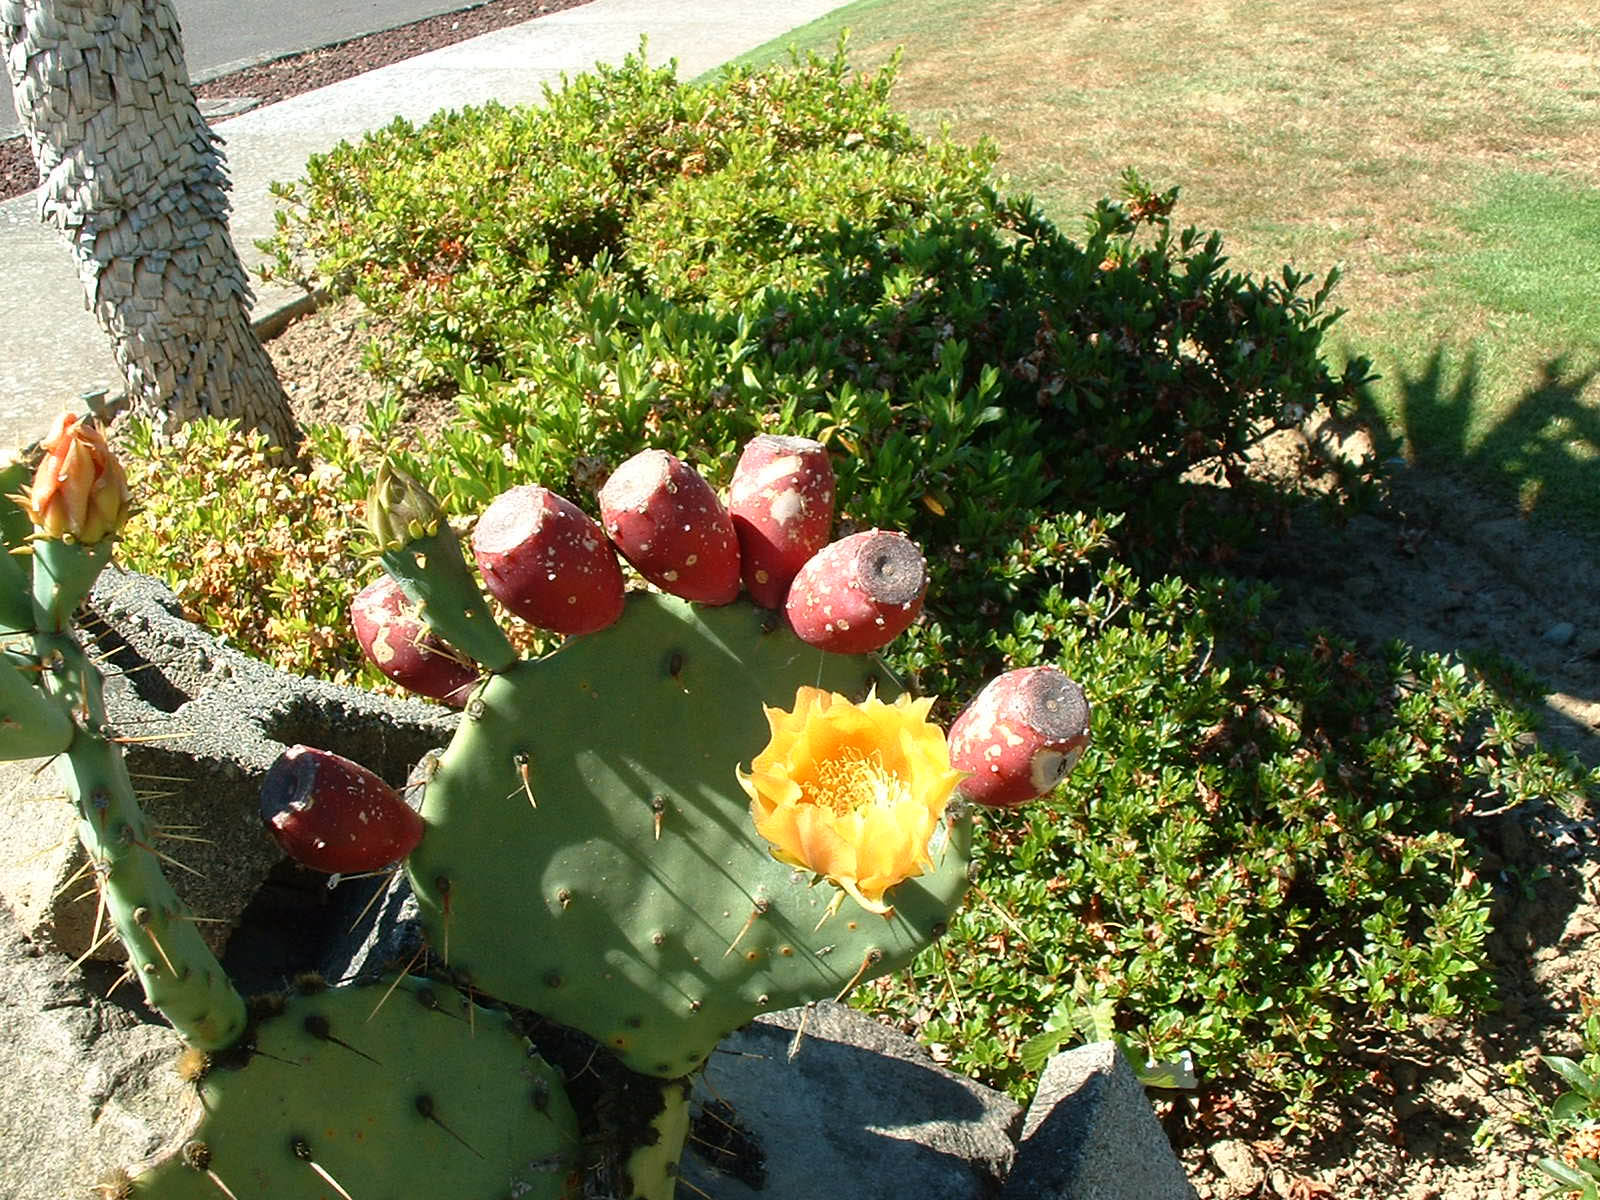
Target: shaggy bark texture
(134,179)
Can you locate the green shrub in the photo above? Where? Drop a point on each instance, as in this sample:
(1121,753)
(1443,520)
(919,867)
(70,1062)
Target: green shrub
(453,226)
(688,257)
(1262,857)
(1571,1122)
(256,551)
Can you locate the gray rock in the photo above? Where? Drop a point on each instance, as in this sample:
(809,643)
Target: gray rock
(861,1111)
(89,1084)
(382,932)
(1242,1173)
(1091,1134)
(1560,634)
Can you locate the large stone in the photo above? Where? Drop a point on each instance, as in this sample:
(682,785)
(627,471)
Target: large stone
(1091,1134)
(89,1082)
(859,1111)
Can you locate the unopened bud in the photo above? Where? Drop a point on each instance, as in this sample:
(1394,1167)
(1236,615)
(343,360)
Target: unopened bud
(79,490)
(399,509)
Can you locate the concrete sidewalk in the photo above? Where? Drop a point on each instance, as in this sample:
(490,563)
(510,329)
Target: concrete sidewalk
(51,349)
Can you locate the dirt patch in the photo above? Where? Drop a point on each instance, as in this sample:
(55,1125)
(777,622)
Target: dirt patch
(296,73)
(318,359)
(1444,569)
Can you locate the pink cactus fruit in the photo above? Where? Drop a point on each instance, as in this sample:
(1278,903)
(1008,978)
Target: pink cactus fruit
(548,561)
(668,522)
(781,502)
(334,815)
(1020,737)
(400,645)
(859,593)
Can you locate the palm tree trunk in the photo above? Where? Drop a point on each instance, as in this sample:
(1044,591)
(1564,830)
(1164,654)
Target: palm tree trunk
(134,178)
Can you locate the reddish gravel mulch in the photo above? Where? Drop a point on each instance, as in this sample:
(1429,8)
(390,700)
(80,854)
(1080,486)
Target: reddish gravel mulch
(285,77)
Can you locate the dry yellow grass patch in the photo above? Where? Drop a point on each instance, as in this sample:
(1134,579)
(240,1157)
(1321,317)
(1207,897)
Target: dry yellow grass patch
(1318,133)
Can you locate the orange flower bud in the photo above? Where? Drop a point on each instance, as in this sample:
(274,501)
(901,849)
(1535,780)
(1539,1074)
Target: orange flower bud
(79,490)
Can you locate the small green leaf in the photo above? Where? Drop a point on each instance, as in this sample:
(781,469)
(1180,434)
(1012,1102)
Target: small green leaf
(1573,1074)
(1036,1051)
(1568,1175)
(1569,1106)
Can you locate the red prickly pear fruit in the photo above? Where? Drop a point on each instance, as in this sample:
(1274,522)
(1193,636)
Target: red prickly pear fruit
(1020,737)
(547,560)
(333,815)
(668,522)
(781,502)
(858,594)
(404,648)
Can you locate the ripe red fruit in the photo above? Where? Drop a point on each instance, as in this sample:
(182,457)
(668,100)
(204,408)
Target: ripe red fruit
(1020,737)
(858,594)
(404,648)
(333,815)
(547,560)
(669,524)
(781,503)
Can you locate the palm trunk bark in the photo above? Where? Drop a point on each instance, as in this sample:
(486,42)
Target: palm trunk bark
(134,178)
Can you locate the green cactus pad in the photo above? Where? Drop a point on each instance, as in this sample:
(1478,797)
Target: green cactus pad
(16,582)
(63,575)
(180,976)
(415,1099)
(570,904)
(652,1170)
(32,725)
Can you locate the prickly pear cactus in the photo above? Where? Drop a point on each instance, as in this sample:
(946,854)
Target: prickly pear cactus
(695,810)
(589,802)
(362,1091)
(352,1091)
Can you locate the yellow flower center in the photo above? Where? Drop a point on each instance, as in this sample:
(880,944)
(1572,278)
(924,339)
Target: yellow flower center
(852,781)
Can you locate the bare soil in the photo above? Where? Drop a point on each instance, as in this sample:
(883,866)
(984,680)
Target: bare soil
(1444,568)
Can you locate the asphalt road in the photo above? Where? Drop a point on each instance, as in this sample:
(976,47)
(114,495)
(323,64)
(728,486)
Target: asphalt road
(224,35)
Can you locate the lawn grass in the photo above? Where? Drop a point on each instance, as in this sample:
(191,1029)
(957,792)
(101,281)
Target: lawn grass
(1447,157)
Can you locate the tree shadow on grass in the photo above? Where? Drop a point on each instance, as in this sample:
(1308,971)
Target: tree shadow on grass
(1541,449)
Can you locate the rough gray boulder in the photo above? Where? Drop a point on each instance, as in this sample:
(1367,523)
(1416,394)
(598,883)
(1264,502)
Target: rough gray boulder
(860,1110)
(1091,1134)
(89,1081)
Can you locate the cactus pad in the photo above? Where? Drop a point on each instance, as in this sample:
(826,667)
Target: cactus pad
(589,853)
(419,1099)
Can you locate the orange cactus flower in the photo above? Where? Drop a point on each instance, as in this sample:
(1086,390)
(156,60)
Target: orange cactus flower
(79,490)
(852,792)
